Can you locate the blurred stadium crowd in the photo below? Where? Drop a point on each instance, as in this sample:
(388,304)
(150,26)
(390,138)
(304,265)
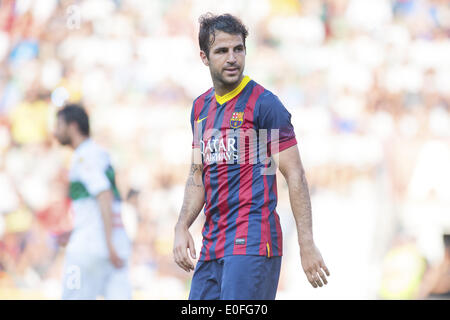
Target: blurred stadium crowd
(367,83)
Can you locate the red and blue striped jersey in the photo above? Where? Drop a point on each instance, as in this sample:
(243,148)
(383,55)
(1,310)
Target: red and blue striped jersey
(236,134)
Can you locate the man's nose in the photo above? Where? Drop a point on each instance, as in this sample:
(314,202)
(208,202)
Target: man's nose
(231,59)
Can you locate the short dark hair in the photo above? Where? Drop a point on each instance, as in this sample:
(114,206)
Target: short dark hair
(446,238)
(75,113)
(131,193)
(209,23)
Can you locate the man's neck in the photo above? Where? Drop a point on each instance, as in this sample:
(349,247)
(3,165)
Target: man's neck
(77,140)
(222,89)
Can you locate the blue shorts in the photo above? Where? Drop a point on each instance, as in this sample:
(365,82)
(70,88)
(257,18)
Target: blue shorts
(237,277)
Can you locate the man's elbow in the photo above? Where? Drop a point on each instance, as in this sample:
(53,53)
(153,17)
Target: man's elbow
(293,173)
(105,196)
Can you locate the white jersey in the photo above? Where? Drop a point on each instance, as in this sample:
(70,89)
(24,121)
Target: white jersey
(90,174)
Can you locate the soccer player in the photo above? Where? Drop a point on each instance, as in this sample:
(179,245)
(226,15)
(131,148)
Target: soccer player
(242,239)
(98,248)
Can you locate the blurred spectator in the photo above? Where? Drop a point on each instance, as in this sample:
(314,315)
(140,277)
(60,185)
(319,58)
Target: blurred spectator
(436,282)
(403,270)
(130,213)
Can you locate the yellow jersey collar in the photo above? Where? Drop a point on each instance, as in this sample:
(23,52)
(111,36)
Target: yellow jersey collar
(230,95)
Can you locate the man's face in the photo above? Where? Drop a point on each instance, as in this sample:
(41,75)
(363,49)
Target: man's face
(226,59)
(62,131)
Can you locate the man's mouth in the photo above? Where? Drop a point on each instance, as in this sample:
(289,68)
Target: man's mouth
(231,70)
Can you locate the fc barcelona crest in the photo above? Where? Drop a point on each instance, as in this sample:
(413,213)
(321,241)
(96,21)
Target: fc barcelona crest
(237,119)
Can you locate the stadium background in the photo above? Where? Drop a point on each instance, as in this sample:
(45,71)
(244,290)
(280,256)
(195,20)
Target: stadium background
(368,86)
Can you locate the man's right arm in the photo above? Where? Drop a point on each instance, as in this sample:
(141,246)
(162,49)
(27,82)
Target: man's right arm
(194,199)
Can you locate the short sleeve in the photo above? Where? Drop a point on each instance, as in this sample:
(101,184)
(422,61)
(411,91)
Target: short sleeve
(92,173)
(194,127)
(274,117)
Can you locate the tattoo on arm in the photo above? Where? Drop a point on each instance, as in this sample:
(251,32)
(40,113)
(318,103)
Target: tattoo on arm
(193,196)
(195,168)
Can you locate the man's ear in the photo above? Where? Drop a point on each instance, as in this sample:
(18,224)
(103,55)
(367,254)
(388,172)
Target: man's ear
(72,127)
(204,58)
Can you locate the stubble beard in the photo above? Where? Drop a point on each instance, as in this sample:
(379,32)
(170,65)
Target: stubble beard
(220,79)
(64,141)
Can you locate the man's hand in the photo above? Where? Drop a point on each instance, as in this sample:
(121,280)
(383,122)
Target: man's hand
(194,199)
(313,265)
(183,241)
(105,199)
(291,167)
(115,259)
(63,238)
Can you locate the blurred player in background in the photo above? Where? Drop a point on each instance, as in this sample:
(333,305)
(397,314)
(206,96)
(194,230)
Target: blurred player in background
(436,282)
(98,248)
(242,238)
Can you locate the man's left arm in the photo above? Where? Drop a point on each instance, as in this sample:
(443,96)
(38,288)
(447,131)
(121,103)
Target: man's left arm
(291,167)
(105,199)
(93,176)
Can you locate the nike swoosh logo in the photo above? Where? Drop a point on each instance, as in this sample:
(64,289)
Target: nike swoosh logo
(200,120)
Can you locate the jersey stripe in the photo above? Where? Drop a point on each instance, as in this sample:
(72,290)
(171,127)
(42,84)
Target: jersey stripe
(206,226)
(257,200)
(207,103)
(265,215)
(246,181)
(279,233)
(275,228)
(215,185)
(199,110)
(222,172)
(232,174)
(208,187)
